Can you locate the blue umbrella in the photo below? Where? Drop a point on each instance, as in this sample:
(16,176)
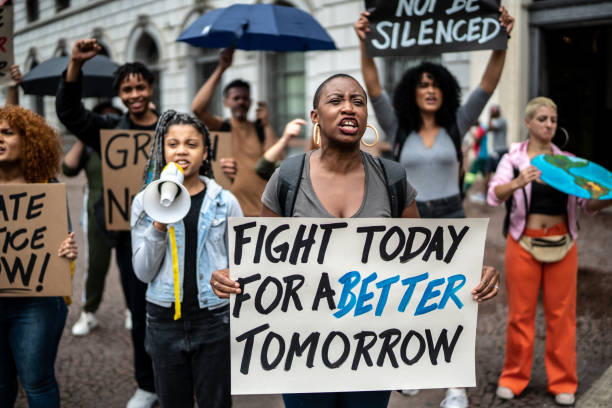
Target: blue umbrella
(264,27)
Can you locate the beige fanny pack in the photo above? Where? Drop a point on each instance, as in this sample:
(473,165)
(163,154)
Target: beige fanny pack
(552,248)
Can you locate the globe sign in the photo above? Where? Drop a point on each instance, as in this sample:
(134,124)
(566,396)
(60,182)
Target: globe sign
(575,176)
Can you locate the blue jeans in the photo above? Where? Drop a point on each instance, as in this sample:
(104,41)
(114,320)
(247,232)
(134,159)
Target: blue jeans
(30,331)
(362,399)
(190,355)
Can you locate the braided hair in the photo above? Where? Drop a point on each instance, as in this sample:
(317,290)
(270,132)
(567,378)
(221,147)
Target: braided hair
(157,162)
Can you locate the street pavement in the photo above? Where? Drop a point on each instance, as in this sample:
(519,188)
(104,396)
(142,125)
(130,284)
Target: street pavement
(96,370)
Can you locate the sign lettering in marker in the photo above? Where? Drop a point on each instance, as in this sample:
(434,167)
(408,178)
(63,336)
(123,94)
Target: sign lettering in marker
(353,304)
(422,27)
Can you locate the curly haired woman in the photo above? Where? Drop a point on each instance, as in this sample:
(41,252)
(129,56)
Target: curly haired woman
(426,123)
(30,328)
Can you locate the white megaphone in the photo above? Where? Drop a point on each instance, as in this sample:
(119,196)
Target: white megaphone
(166,200)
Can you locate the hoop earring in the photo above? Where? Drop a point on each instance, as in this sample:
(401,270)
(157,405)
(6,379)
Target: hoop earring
(375,132)
(316,134)
(566,136)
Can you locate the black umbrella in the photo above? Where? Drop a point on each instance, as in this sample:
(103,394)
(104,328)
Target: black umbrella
(44,78)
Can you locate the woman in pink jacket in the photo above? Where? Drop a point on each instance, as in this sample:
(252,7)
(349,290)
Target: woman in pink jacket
(540,251)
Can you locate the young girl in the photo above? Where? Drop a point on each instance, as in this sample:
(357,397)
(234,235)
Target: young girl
(187,324)
(30,328)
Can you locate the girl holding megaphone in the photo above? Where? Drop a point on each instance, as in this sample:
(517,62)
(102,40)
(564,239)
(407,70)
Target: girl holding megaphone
(175,249)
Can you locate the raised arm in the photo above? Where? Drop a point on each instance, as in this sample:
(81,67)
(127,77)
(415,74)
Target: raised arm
(495,66)
(74,160)
(263,116)
(12,92)
(277,151)
(81,122)
(82,51)
(201,102)
(368,67)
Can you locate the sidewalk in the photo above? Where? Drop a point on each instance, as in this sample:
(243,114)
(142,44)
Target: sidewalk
(96,370)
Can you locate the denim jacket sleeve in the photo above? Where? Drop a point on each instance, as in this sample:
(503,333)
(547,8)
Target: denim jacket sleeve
(148,244)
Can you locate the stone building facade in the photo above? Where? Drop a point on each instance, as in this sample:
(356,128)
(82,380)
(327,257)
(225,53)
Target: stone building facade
(146,30)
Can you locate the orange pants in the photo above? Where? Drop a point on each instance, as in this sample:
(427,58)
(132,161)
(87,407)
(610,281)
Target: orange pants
(524,276)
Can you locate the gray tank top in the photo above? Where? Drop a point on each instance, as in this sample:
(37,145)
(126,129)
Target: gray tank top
(374,205)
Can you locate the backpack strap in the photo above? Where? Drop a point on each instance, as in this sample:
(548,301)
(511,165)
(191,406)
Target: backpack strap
(289,178)
(395,177)
(508,203)
(261,133)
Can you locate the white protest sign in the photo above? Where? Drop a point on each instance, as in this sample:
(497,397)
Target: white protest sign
(353,304)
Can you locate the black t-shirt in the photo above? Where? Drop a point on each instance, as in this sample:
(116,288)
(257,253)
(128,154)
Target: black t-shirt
(190,306)
(190,281)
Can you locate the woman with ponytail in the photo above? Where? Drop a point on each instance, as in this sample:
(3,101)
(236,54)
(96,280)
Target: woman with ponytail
(187,333)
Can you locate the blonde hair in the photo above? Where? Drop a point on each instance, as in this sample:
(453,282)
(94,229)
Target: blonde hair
(536,103)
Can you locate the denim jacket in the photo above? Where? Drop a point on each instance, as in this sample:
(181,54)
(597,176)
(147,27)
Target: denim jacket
(151,249)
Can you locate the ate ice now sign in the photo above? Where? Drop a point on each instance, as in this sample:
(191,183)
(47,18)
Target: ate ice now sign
(353,304)
(421,27)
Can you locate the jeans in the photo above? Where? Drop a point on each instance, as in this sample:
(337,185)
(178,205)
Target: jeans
(447,207)
(191,355)
(363,399)
(30,331)
(135,291)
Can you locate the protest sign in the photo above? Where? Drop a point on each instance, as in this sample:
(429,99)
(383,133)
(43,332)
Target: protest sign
(353,304)
(6,41)
(34,224)
(421,27)
(222,145)
(124,157)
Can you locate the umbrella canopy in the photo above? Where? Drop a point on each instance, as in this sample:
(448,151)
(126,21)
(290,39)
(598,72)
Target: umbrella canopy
(264,27)
(44,78)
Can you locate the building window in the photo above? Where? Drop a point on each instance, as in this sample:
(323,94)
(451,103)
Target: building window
(288,93)
(205,63)
(37,102)
(32,10)
(61,5)
(146,52)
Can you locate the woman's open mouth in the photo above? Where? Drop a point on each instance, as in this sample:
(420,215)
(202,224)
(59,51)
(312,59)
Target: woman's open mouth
(349,126)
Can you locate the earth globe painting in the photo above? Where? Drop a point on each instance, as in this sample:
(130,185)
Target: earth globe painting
(575,176)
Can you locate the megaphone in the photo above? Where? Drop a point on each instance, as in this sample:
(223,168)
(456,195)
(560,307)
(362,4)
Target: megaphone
(166,200)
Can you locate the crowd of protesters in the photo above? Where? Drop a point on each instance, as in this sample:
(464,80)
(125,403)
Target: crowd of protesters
(179,322)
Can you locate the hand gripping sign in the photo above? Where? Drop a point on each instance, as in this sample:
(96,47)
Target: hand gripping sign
(353,304)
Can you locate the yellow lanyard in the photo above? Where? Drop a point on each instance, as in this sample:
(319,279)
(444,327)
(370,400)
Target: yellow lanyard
(175,276)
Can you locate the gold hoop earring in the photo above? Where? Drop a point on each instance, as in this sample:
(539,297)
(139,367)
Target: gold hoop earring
(375,133)
(316,134)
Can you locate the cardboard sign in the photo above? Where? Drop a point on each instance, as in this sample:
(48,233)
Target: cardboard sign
(421,27)
(6,41)
(34,224)
(353,304)
(222,143)
(124,156)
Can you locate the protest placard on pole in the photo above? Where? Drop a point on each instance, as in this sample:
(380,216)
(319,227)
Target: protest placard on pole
(421,27)
(34,224)
(6,41)
(124,157)
(222,143)
(353,304)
